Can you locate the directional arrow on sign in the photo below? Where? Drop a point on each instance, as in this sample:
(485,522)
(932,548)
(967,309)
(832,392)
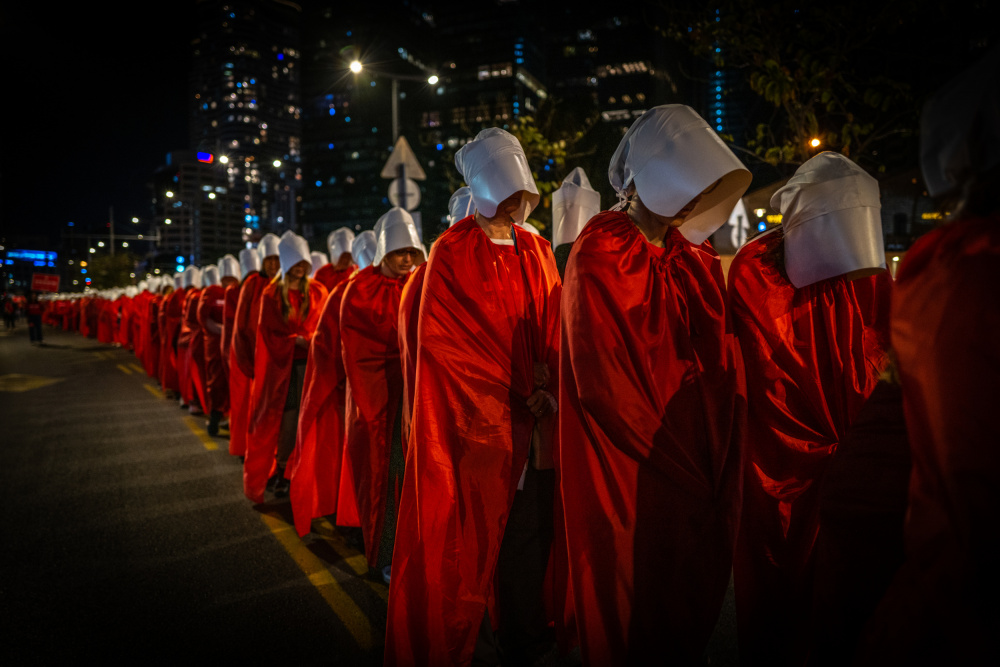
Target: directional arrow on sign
(402,155)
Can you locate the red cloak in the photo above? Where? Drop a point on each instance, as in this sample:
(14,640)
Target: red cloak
(941,609)
(242,358)
(210,309)
(331,276)
(151,359)
(488,312)
(173,316)
(273,356)
(191,350)
(409,311)
(812,357)
(369,316)
(319,446)
(652,410)
(231,301)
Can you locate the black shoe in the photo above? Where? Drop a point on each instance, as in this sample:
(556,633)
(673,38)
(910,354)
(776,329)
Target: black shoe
(282,488)
(272,482)
(213,423)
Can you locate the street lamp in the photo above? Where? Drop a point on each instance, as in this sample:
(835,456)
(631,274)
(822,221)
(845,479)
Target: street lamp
(356,67)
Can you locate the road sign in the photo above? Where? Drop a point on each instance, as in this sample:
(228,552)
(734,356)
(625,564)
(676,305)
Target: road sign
(44,282)
(412,193)
(402,155)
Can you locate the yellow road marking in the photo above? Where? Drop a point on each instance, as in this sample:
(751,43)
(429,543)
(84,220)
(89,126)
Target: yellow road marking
(153,390)
(137,368)
(124,369)
(354,560)
(196,428)
(326,584)
(16,382)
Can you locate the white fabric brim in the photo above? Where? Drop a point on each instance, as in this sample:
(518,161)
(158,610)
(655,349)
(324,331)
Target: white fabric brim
(572,208)
(396,237)
(293,250)
(507,174)
(834,244)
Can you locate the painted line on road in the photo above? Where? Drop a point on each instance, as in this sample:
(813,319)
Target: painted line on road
(124,369)
(320,576)
(137,368)
(354,560)
(203,435)
(153,390)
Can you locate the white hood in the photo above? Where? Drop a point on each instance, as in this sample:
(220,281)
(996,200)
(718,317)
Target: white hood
(249,262)
(363,248)
(830,213)
(573,205)
(192,277)
(293,249)
(318,259)
(178,280)
(494,166)
(460,206)
(210,276)
(229,267)
(394,231)
(267,246)
(338,242)
(960,127)
(673,156)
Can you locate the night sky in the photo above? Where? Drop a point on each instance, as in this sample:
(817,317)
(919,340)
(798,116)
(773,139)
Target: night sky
(94,101)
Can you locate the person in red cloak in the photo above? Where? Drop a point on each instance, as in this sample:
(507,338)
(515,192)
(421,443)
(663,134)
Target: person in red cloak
(241,363)
(341,266)
(190,348)
(652,402)
(289,312)
(810,305)
(369,316)
(471,549)
(941,609)
(172,314)
(210,318)
(319,445)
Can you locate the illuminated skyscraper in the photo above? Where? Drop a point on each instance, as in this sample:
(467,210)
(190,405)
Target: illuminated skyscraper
(245,104)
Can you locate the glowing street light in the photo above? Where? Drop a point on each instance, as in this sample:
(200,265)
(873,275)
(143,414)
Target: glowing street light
(432,79)
(356,66)
(814,142)
(169,193)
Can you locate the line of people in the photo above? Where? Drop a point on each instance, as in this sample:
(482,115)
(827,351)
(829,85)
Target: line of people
(549,447)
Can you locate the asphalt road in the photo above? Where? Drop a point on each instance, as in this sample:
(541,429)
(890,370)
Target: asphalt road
(126,534)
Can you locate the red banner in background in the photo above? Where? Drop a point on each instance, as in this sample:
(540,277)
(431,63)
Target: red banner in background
(44,282)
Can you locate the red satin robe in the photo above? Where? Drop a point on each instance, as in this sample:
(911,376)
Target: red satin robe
(173,316)
(330,276)
(651,416)
(369,316)
(231,301)
(813,356)
(190,350)
(241,359)
(409,312)
(487,314)
(942,607)
(151,359)
(213,373)
(273,356)
(319,446)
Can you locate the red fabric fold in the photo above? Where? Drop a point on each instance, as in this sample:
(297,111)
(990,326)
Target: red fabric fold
(191,350)
(812,356)
(941,608)
(210,309)
(273,355)
(241,360)
(173,316)
(331,276)
(369,316)
(409,311)
(652,410)
(487,314)
(319,446)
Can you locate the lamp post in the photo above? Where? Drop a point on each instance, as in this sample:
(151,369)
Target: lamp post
(357,67)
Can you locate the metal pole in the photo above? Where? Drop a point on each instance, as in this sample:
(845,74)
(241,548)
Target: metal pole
(111,227)
(395,109)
